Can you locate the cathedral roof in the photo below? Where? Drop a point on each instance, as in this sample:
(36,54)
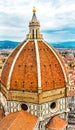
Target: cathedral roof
(71,93)
(18,121)
(56,123)
(34,66)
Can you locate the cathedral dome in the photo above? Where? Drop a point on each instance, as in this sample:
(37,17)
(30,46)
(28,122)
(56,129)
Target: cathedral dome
(34,67)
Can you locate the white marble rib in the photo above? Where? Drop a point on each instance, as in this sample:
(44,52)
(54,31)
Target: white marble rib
(58,60)
(38,64)
(12,66)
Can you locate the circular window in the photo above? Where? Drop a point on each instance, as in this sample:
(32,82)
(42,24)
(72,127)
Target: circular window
(24,107)
(53,105)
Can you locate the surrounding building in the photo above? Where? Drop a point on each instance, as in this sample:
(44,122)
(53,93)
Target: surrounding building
(34,79)
(19,121)
(71,115)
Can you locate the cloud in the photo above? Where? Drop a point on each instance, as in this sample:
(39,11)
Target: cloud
(66,34)
(57,19)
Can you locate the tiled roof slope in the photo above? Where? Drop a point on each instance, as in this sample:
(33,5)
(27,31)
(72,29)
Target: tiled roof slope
(7,66)
(56,123)
(1,114)
(18,121)
(23,73)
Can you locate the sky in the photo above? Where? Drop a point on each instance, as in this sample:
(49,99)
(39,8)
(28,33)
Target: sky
(57,19)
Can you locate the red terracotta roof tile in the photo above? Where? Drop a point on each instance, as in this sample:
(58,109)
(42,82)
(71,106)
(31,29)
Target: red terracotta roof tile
(7,66)
(71,92)
(1,114)
(56,123)
(25,74)
(51,72)
(18,121)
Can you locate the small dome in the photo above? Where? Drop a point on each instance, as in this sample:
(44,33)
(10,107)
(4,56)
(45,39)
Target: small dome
(20,120)
(57,123)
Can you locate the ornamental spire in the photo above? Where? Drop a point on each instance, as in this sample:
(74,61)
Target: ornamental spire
(34,10)
(34,27)
(34,15)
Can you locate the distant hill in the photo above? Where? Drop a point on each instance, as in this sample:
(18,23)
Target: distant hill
(68,44)
(8,44)
(11,44)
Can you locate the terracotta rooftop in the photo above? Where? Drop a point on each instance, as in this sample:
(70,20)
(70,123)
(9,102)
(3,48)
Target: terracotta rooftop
(18,121)
(22,74)
(71,92)
(56,123)
(1,114)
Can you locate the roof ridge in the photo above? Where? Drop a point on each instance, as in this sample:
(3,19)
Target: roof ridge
(13,121)
(20,114)
(54,52)
(13,63)
(6,118)
(38,65)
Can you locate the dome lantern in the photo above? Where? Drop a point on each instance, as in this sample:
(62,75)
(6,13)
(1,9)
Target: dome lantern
(34,27)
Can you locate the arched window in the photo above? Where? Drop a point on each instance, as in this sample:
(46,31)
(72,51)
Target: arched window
(33,34)
(36,33)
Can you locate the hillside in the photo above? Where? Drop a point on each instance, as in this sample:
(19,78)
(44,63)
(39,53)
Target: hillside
(11,44)
(68,44)
(8,44)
